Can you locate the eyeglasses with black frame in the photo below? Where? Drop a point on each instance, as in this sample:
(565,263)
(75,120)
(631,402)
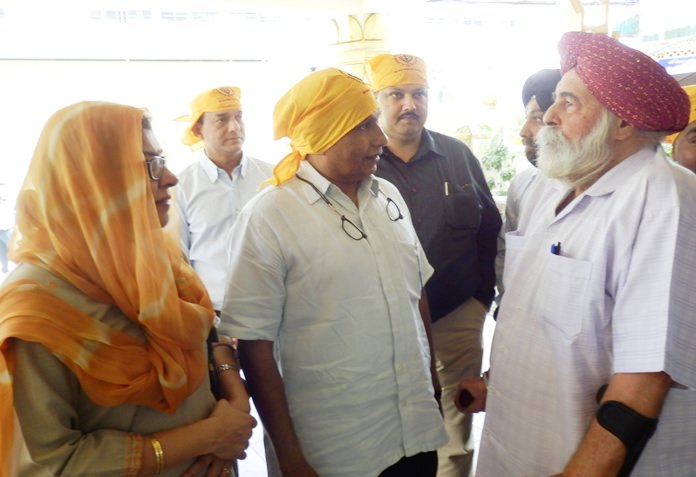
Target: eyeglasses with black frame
(156,166)
(393,210)
(350,229)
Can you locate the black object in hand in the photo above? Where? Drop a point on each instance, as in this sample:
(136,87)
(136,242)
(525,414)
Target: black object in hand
(465,398)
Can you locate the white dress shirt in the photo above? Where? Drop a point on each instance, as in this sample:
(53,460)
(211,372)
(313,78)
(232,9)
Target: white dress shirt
(344,317)
(208,202)
(616,298)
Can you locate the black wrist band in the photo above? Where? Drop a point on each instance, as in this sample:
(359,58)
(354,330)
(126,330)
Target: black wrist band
(630,427)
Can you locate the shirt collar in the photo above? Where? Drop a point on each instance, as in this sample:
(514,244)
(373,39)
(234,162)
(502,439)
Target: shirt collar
(426,147)
(213,171)
(608,182)
(308,172)
(618,174)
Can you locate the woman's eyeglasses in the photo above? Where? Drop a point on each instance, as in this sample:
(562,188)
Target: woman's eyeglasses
(352,230)
(156,166)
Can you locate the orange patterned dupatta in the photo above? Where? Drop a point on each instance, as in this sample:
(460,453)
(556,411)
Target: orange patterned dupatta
(86,213)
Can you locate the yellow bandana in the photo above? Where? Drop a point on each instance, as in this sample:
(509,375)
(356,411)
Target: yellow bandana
(211,101)
(394,70)
(317,112)
(691,91)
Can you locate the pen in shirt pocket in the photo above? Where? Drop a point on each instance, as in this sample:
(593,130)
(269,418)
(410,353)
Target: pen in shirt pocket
(556,248)
(446,188)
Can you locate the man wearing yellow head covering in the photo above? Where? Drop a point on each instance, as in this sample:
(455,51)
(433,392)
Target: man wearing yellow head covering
(684,149)
(457,222)
(215,187)
(327,269)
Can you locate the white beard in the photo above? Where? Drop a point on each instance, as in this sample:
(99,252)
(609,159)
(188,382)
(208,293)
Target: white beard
(579,163)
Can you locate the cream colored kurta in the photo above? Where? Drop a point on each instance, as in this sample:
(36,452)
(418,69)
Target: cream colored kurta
(64,431)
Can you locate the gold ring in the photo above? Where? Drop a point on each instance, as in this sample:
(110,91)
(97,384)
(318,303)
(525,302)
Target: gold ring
(226,470)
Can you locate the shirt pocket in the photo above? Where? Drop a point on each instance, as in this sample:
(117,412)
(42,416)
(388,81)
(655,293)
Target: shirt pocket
(462,208)
(565,285)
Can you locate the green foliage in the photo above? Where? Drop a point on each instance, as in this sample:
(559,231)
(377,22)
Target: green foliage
(498,166)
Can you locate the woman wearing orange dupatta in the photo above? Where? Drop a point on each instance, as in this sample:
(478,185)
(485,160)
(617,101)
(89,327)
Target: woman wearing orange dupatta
(103,324)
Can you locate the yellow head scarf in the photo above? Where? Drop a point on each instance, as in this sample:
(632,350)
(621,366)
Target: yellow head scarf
(211,101)
(691,91)
(86,213)
(394,70)
(317,112)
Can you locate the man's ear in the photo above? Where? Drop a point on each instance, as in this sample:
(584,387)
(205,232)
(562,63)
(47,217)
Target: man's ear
(196,129)
(623,130)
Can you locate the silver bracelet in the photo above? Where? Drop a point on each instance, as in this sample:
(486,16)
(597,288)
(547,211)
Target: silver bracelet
(235,356)
(227,367)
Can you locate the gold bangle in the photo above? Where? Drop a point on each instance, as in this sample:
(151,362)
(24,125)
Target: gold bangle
(159,454)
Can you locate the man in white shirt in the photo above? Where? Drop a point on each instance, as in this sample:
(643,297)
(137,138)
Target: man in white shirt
(212,191)
(326,277)
(214,188)
(595,338)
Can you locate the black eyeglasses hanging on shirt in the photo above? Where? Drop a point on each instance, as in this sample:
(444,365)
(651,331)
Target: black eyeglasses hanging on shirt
(350,229)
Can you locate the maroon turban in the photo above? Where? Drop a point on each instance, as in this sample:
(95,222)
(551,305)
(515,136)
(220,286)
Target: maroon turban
(627,82)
